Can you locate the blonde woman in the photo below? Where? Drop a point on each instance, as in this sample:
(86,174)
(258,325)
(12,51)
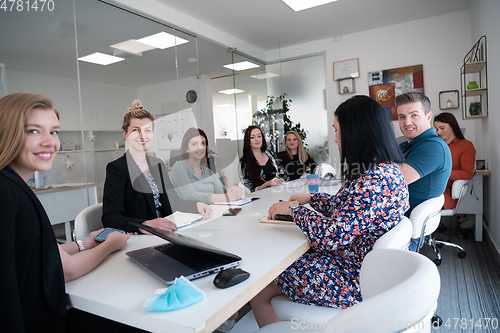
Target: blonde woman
(295,160)
(34,266)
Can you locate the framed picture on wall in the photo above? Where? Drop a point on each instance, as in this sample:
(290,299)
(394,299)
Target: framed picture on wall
(346,69)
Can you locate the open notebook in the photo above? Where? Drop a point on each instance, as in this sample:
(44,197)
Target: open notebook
(183,219)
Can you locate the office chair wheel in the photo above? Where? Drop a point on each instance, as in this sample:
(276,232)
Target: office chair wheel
(436,321)
(437,261)
(462,254)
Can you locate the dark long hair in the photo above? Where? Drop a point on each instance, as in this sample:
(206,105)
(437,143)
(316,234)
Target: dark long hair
(248,160)
(191,133)
(366,135)
(448,118)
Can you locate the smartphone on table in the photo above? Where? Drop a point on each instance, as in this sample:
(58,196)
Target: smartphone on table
(283,217)
(232,212)
(101,237)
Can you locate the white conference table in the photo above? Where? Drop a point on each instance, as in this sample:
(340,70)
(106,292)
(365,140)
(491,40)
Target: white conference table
(297,186)
(118,287)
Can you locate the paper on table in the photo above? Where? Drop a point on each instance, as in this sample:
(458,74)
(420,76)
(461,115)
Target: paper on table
(183,219)
(235,203)
(292,184)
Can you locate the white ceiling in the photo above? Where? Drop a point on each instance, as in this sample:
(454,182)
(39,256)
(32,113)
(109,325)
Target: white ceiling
(44,42)
(255,21)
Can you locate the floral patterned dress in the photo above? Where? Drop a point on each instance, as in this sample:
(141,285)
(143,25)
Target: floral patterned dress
(342,231)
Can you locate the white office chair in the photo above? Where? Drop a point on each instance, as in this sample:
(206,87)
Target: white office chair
(399,288)
(458,190)
(425,219)
(396,238)
(88,220)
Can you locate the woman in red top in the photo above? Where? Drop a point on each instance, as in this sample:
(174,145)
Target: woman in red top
(463,153)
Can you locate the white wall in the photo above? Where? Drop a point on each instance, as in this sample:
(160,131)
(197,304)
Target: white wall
(170,97)
(485,16)
(103,104)
(438,43)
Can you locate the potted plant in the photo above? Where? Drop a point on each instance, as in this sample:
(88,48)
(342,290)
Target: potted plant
(268,119)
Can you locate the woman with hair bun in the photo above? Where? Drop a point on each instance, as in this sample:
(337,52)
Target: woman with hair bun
(137,184)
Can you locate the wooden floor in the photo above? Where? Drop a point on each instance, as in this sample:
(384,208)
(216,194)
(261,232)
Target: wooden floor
(470,287)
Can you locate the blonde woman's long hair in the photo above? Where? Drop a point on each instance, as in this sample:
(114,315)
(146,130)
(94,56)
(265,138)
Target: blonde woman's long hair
(136,110)
(301,151)
(14,109)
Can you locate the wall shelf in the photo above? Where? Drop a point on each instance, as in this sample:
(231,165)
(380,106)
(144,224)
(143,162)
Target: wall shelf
(346,86)
(451,95)
(474,92)
(475,68)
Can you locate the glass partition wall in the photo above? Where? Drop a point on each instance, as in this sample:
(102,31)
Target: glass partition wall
(257,74)
(239,92)
(179,78)
(55,53)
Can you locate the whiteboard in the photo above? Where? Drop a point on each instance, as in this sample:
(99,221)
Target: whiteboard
(172,127)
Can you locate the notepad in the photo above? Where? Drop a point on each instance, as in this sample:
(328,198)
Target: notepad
(183,219)
(236,202)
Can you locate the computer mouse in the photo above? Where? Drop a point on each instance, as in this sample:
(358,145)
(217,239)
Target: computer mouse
(230,277)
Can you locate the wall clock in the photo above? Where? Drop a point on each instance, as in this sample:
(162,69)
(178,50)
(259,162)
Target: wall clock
(191,96)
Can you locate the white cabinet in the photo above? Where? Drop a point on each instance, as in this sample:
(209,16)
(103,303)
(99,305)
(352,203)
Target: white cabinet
(63,204)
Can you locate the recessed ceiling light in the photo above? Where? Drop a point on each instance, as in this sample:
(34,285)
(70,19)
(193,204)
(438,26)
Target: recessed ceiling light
(231,91)
(264,76)
(298,5)
(133,46)
(101,59)
(162,40)
(239,66)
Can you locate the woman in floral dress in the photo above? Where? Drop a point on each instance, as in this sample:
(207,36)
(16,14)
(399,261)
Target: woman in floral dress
(344,227)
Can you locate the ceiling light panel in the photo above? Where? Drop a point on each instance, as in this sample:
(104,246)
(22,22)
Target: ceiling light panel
(298,5)
(264,76)
(162,40)
(240,66)
(101,59)
(231,91)
(133,46)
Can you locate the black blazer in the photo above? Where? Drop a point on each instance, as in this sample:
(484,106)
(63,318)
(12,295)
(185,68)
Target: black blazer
(128,196)
(293,168)
(32,279)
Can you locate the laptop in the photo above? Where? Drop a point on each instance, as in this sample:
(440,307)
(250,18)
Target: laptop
(183,255)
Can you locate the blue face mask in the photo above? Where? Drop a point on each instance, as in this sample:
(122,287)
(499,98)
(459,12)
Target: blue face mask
(181,294)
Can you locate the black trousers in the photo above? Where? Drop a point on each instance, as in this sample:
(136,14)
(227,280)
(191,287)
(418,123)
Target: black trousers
(78,321)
